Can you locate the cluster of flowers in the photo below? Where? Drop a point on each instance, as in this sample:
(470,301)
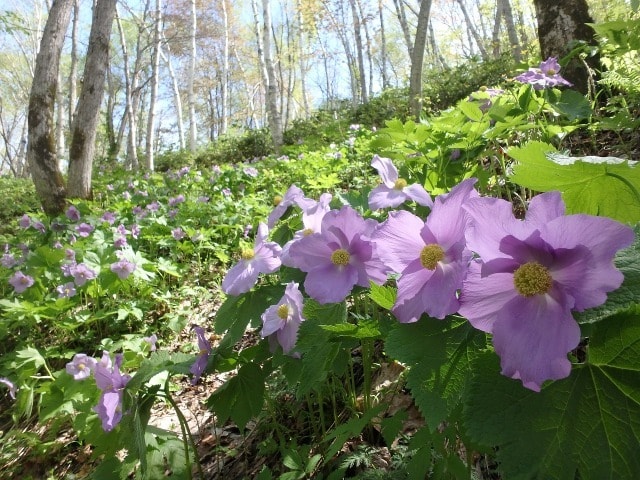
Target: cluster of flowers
(516,279)
(109,379)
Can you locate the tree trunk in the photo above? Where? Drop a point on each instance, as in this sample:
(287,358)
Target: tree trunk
(383,48)
(417,59)
(224,90)
(41,152)
(83,135)
(516,50)
(274,116)
(193,127)
(176,95)
(130,116)
(73,69)
(155,67)
(471,30)
(402,19)
(301,59)
(560,25)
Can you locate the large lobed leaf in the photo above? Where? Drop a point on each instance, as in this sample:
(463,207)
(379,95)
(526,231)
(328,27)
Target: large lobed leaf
(586,426)
(603,186)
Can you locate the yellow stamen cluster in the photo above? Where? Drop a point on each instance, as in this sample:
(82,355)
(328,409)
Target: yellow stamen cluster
(430,256)
(283,311)
(276,200)
(247,254)
(307,231)
(532,279)
(400,184)
(340,257)
(551,71)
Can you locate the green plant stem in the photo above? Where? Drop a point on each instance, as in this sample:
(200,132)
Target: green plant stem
(187,439)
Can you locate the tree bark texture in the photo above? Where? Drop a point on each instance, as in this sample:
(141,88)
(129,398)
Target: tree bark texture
(41,149)
(560,24)
(155,74)
(417,59)
(274,115)
(85,127)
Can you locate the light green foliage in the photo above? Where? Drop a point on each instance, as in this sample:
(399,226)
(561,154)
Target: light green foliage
(593,185)
(586,425)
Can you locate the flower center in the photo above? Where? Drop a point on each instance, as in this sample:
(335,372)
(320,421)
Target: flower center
(283,311)
(247,254)
(81,366)
(430,256)
(551,71)
(277,199)
(532,279)
(400,184)
(307,231)
(340,257)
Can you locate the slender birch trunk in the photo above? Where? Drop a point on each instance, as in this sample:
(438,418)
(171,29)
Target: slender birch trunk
(415,79)
(155,73)
(193,132)
(274,116)
(224,88)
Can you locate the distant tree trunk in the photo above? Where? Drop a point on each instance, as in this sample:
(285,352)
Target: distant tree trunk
(417,59)
(471,30)
(155,73)
(274,115)
(383,48)
(176,96)
(73,68)
(83,135)
(516,49)
(404,25)
(362,76)
(224,90)
(41,151)
(193,127)
(130,116)
(301,59)
(560,25)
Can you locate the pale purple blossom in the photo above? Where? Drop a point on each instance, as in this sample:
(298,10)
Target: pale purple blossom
(203,199)
(25,221)
(151,340)
(153,206)
(10,385)
(112,383)
(394,191)
(176,200)
(20,282)
(82,274)
(226,192)
(178,234)
(280,322)
(338,257)
(123,268)
(250,171)
(66,290)
(72,213)
(120,241)
(312,216)
(84,230)
(38,225)
(204,348)
(293,196)
(263,258)
(431,257)
(81,366)
(135,230)
(531,274)
(545,76)
(108,217)
(8,260)
(126,195)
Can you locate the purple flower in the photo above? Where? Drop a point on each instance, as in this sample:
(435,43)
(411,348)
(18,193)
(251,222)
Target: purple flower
(123,268)
(70,254)
(81,366)
(203,355)
(67,290)
(264,258)
(151,340)
(25,221)
(119,242)
(545,76)
(20,281)
(311,221)
(72,213)
(153,206)
(176,200)
(126,195)
(178,233)
(531,275)
(339,257)
(394,191)
(250,171)
(84,230)
(293,196)
(8,260)
(280,322)
(112,383)
(203,199)
(38,225)
(82,274)
(226,192)
(108,217)
(10,385)
(431,257)
(135,230)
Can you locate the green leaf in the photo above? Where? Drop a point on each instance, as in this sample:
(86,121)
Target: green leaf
(241,397)
(593,185)
(438,354)
(471,110)
(628,261)
(574,105)
(352,428)
(586,426)
(383,296)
